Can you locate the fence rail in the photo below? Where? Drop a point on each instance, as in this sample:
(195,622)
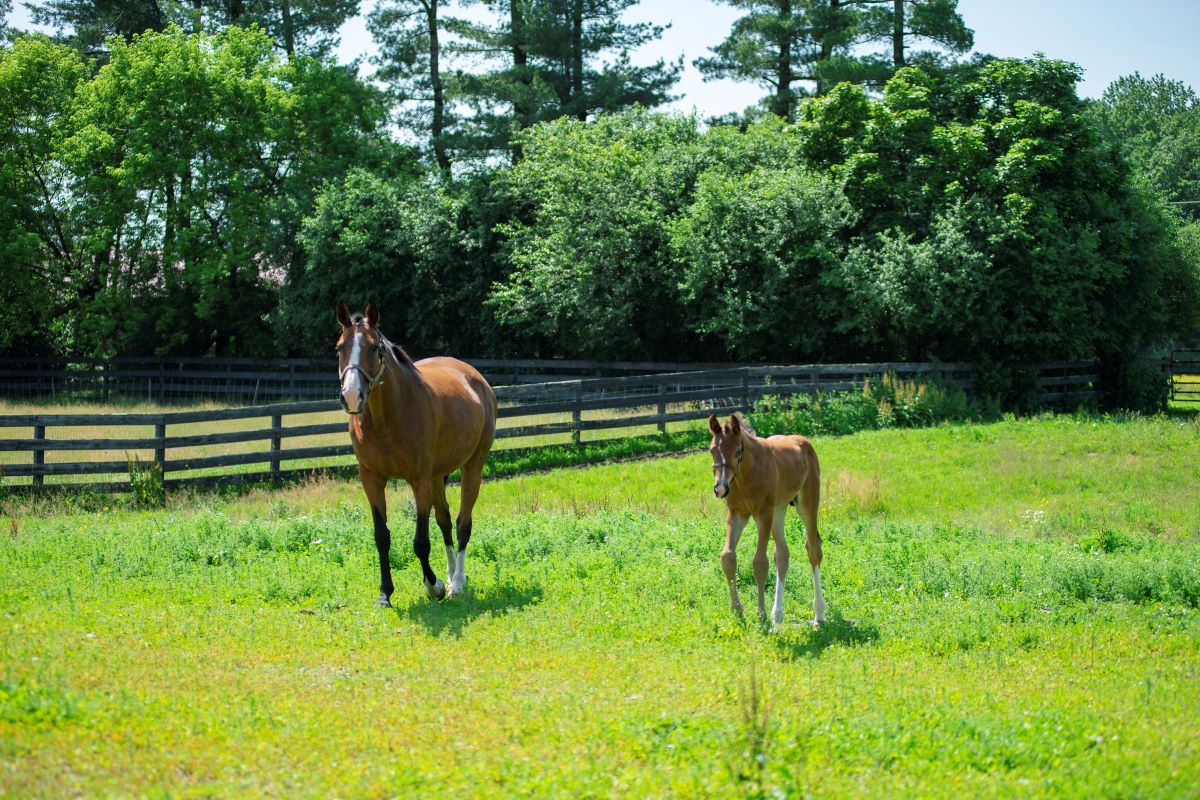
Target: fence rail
(1183,370)
(530,415)
(255,380)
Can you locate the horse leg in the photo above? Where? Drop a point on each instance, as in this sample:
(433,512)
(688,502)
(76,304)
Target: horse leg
(375,488)
(761,565)
(810,497)
(441,512)
(734,525)
(423,495)
(472,478)
(781,565)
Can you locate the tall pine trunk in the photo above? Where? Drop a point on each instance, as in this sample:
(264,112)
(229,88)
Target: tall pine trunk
(898,33)
(577,61)
(289,33)
(782,103)
(520,67)
(435,81)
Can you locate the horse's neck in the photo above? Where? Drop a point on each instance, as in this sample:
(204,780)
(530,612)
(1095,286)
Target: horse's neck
(401,392)
(751,451)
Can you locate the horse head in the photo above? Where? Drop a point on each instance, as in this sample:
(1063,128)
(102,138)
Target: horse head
(727,448)
(361,351)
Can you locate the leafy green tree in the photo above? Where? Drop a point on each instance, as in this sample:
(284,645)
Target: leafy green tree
(999,205)
(542,63)
(402,243)
(46,264)
(592,274)
(1156,124)
(756,250)
(197,157)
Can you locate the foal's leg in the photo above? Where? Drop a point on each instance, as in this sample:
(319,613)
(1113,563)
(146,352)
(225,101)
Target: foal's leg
(423,495)
(734,525)
(761,566)
(810,497)
(375,488)
(441,513)
(472,478)
(782,556)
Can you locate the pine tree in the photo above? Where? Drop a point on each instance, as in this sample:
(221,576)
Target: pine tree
(784,44)
(409,35)
(900,22)
(546,59)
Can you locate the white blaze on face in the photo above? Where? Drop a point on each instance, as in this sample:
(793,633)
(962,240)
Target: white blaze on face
(353,389)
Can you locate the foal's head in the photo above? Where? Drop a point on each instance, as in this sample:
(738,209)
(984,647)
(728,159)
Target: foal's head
(727,448)
(361,351)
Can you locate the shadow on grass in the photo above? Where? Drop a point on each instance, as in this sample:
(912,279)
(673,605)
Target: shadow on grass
(450,616)
(804,642)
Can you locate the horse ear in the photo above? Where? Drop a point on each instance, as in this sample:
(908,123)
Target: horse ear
(372,314)
(714,425)
(735,425)
(343,314)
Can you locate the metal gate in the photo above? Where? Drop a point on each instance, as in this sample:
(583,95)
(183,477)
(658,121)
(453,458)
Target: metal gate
(1185,376)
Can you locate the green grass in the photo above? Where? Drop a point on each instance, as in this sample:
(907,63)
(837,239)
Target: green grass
(1014,613)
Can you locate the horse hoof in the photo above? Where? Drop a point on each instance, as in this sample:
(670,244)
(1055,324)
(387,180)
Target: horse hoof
(383,602)
(817,623)
(437,591)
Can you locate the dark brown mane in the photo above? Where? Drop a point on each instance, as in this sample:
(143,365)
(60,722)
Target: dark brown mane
(404,358)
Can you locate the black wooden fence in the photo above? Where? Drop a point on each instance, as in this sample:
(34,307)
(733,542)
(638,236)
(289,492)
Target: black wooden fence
(195,446)
(257,380)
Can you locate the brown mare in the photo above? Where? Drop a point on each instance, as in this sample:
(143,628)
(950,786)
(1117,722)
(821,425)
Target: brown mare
(420,422)
(760,478)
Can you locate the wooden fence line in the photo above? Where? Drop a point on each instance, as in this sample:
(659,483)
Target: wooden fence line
(256,379)
(650,400)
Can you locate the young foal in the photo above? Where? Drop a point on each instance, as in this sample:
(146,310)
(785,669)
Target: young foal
(419,422)
(759,478)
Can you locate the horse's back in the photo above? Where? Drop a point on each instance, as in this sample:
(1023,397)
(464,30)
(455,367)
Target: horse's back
(452,377)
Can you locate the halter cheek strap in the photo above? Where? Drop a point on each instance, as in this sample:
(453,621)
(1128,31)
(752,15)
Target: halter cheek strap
(737,462)
(372,380)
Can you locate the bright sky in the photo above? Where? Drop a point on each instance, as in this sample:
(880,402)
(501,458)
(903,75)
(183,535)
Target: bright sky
(1107,38)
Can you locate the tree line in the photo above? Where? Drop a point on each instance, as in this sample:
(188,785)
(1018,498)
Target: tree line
(214,182)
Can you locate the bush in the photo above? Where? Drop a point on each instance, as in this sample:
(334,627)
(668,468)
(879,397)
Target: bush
(884,402)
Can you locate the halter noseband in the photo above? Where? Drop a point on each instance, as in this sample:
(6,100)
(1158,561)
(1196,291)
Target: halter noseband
(737,462)
(372,380)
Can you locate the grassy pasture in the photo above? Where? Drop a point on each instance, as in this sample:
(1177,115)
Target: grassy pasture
(1014,613)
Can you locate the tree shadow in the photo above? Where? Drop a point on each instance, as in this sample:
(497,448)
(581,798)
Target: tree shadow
(804,642)
(451,615)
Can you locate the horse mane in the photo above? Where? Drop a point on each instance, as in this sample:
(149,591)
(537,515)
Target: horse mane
(398,351)
(745,423)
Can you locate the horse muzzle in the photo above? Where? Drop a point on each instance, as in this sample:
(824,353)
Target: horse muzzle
(357,409)
(721,489)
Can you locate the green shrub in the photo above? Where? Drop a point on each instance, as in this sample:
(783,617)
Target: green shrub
(146,483)
(884,402)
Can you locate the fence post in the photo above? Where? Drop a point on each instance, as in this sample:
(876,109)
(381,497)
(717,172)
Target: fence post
(160,449)
(276,438)
(662,407)
(576,418)
(745,393)
(39,455)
